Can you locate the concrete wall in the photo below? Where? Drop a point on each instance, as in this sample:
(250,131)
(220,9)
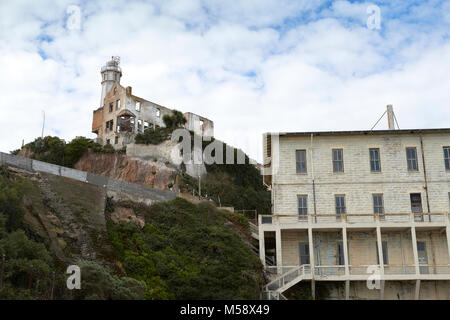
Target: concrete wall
(135,191)
(357,182)
(362,247)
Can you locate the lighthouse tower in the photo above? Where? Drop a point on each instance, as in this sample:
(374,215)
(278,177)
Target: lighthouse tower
(111,73)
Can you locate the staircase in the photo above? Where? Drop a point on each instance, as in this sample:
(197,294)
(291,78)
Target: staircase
(275,288)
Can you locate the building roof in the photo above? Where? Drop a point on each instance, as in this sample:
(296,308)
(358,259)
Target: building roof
(363,132)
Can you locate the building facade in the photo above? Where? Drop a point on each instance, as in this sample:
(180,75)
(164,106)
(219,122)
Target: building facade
(122,115)
(342,200)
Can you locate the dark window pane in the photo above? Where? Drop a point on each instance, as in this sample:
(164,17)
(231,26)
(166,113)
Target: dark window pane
(447,158)
(300,156)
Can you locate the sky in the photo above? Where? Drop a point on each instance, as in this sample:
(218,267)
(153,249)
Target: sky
(251,66)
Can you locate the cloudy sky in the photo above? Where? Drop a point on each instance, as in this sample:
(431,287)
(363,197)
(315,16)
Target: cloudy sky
(250,66)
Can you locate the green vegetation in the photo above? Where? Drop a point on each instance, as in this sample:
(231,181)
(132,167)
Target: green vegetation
(29,270)
(186,252)
(161,134)
(56,151)
(100,284)
(231,185)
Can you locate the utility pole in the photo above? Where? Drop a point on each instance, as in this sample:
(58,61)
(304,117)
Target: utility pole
(43,124)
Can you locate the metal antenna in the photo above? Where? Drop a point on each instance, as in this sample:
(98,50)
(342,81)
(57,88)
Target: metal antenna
(378,120)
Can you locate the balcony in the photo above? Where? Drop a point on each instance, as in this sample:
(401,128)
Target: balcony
(386,219)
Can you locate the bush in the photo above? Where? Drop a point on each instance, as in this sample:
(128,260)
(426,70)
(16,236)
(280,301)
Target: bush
(185,251)
(153,136)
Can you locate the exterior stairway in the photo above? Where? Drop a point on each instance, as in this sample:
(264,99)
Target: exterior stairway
(275,288)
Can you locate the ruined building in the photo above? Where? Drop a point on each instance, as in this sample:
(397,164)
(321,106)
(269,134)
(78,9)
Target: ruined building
(122,115)
(364,212)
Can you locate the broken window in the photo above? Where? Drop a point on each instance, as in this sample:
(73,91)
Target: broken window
(118,105)
(303,207)
(125,123)
(108,141)
(411,158)
(158,112)
(338,160)
(138,106)
(116,140)
(300,158)
(115,90)
(447,158)
(146,125)
(111,107)
(109,125)
(139,125)
(416,206)
(375,160)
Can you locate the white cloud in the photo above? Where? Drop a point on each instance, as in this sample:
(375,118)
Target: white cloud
(245,65)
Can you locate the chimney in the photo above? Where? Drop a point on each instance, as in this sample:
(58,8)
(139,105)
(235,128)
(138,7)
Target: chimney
(128,91)
(390,116)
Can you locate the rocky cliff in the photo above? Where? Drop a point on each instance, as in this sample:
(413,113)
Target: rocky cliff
(151,172)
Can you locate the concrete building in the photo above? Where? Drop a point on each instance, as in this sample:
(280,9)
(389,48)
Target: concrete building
(122,115)
(342,200)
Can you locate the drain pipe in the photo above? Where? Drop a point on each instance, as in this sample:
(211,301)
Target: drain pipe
(425,174)
(313,180)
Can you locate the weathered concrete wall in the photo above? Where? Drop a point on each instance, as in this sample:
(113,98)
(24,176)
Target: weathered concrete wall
(357,182)
(114,185)
(362,247)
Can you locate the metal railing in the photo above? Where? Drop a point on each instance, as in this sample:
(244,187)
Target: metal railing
(352,218)
(286,277)
(337,270)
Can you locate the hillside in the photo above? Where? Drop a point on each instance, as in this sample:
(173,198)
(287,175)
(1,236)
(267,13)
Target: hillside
(174,250)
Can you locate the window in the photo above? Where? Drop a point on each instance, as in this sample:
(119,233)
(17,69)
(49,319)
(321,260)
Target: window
(385,252)
(116,140)
(118,105)
(447,158)
(158,112)
(304,253)
(108,141)
(375,160)
(340,206)
(338,160)
(303,207)
(416,206)
(139,125)
(340,254)
(111,107)
(378,206)
(138,106)
(115,90)
(411,158)
(146,125)
(300,158)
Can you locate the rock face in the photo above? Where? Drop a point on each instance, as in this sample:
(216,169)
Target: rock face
(150,172)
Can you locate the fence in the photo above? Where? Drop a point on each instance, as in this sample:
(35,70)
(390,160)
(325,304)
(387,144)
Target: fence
(140,191)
